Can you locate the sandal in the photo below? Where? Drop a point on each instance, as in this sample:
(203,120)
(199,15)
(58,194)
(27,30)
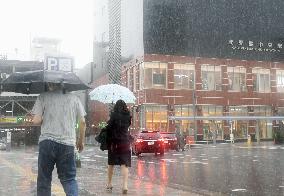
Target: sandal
(124,191)
(109,189)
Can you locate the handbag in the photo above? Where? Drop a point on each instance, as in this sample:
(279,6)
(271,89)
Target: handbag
(102,139)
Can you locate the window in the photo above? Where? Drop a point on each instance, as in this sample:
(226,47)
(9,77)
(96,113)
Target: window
(154,75)
(184,76)
(211,126)
(156,117)
(261,80)
(265,126)
(186,126)
(211,77)
(280,80)
(237,78)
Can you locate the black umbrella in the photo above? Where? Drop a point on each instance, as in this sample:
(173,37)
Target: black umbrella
(34,82)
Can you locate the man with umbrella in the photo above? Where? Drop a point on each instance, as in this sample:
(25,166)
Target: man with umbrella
(57,112)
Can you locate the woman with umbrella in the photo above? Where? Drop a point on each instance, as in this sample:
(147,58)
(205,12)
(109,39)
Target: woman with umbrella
(118,142)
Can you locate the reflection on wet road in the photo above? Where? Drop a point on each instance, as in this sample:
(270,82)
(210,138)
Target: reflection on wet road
(223,170)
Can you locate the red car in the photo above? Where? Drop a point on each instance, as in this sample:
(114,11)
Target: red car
(170,140)
(148,142)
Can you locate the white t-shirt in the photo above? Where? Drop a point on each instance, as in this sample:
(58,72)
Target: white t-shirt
(60,113)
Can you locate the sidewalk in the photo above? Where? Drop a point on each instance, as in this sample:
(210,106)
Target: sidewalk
(93,184)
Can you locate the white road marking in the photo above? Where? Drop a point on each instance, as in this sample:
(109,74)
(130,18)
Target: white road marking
(169,160)
(31,158)
(177,154)
(90,160)
(255,160)
(239,190)
(99,156)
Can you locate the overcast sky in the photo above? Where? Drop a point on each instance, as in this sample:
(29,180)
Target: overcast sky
(68,20)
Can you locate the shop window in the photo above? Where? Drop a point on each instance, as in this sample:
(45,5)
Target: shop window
(280,80)
(237,79)
(265,126)
(155,117)
(154,75)
(187,126)
(211,77)
(261,80)
(211,127)
(184,76)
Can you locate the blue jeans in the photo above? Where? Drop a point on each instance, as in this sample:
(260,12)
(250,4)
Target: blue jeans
(51,153)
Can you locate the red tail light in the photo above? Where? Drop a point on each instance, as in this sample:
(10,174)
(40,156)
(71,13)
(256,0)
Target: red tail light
(161,140)
(139,140)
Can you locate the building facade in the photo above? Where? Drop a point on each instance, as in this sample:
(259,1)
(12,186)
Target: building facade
(200,58)
(15,106)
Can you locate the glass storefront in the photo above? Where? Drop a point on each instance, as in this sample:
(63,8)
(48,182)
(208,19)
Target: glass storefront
(156,117)
(240,127)
(187,126)
(265,126)
(211,126)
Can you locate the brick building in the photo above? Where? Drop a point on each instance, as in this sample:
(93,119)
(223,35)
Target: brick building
(200,58)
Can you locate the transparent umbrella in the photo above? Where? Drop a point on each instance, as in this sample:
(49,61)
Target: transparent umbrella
(110,93)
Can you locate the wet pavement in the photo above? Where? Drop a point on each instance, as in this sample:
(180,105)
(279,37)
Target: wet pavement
(224,169)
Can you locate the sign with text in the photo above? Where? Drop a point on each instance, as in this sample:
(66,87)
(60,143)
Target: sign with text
(59,63)
(5,120)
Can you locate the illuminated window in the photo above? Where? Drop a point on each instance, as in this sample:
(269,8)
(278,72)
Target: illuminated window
(156,117)
(184,76)
(186,126)
(211,77)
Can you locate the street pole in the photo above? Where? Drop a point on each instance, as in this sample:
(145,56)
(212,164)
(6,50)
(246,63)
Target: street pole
(194,114)
(257,132)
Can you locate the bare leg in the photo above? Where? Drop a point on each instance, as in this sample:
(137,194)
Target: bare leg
(124,172)
(109,175)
